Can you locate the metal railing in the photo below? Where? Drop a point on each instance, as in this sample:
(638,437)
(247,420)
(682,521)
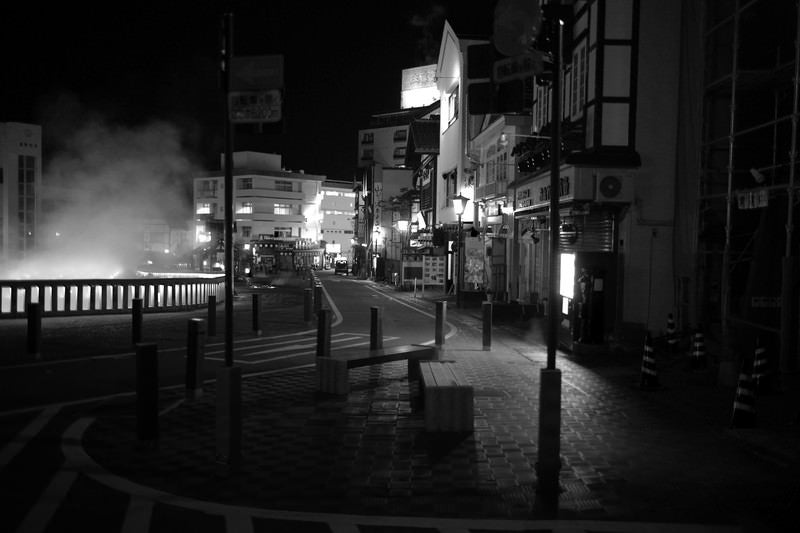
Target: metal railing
(64,297)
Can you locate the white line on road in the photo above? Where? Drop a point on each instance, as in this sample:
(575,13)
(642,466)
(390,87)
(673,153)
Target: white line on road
(11,449)
(43,510)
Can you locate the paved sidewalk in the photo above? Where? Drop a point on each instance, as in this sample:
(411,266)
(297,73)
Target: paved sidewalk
(628,455)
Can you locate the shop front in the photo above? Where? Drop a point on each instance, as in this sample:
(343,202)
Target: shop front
(588,256)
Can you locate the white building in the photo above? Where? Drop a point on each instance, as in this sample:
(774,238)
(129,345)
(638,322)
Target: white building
(278,221)
(20,189)
(338,205)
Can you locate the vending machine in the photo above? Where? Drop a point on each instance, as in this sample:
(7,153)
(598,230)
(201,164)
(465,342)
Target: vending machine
(587,287)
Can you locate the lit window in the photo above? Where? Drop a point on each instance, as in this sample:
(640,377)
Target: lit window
(204,208)
(452,105)
(283,209)
(246,208)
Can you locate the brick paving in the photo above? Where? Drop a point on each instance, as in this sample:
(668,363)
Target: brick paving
(627,454)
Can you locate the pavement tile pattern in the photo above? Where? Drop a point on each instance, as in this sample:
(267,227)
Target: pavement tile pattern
(627,454)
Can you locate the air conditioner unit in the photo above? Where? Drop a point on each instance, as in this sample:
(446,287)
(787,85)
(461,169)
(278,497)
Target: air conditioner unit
(613,187)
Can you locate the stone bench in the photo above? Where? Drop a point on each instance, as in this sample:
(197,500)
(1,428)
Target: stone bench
(447,397)
(333,371)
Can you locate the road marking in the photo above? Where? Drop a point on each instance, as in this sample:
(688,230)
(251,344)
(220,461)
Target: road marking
(138,515)
(43,510)
(11,449)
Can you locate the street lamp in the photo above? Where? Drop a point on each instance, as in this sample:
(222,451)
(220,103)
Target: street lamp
(459,203)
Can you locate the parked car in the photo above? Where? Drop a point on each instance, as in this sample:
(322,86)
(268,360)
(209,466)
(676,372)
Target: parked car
(340,265)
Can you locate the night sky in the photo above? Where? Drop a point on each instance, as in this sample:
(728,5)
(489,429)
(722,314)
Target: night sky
(65,65)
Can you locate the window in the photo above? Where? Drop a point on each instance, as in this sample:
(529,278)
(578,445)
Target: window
(246,231)
(282,232)
(208,188)
(400,152)
(246,208)
(452,105)
(400,135)
(26,200)
(245,183)
(367,154)
(283,209)
(450,185)
(283,185)
(368,138)
(203,208)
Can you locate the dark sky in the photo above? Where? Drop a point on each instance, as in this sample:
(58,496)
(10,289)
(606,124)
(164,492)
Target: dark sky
(157,61)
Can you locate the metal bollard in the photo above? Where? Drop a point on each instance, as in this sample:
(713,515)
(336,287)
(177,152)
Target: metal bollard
(307,305)
(212,315)
(486,307)
(317,297)
(441,318)
(35,329)
(324,333)
(256,319)
(195,350)
(376,328)
(136,320)
(147,392)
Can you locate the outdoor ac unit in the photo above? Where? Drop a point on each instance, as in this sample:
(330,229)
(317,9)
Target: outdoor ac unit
(612,187)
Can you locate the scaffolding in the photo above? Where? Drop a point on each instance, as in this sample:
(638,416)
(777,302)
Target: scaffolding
(748,190)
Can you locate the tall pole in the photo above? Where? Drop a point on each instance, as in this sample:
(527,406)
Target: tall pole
(549,460)
(555,189)
(228,194)
(459,266)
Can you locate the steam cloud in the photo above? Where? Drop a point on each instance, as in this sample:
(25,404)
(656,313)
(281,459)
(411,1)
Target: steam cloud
(100,190)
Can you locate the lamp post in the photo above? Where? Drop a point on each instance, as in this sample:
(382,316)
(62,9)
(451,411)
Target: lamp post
(459,203)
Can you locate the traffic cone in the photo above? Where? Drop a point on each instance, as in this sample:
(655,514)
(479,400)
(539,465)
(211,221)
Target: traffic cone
(698,358)
(649,378)
(744,403)
(760,368)
(672,338)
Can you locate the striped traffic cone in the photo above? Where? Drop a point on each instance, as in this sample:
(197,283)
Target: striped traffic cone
(672,338)
(698,357)
(760,368)
(744,403)
(649,378)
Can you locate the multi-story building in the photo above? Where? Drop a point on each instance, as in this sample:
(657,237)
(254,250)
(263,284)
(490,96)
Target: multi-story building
(276,212)
(20,189)
(338,204)
(618,122)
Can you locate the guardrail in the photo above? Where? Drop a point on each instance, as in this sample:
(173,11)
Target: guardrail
(66,297)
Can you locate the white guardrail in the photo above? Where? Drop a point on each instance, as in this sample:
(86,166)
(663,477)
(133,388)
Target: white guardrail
(63,297)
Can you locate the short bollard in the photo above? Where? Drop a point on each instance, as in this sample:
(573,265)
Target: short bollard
(441,318)
(486,307)
(256,318)
(147,392)
(307,305)
(317,297)
(195,351)
(212,315)
(375,328)
(136,320)
(35,330)
(324,333)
